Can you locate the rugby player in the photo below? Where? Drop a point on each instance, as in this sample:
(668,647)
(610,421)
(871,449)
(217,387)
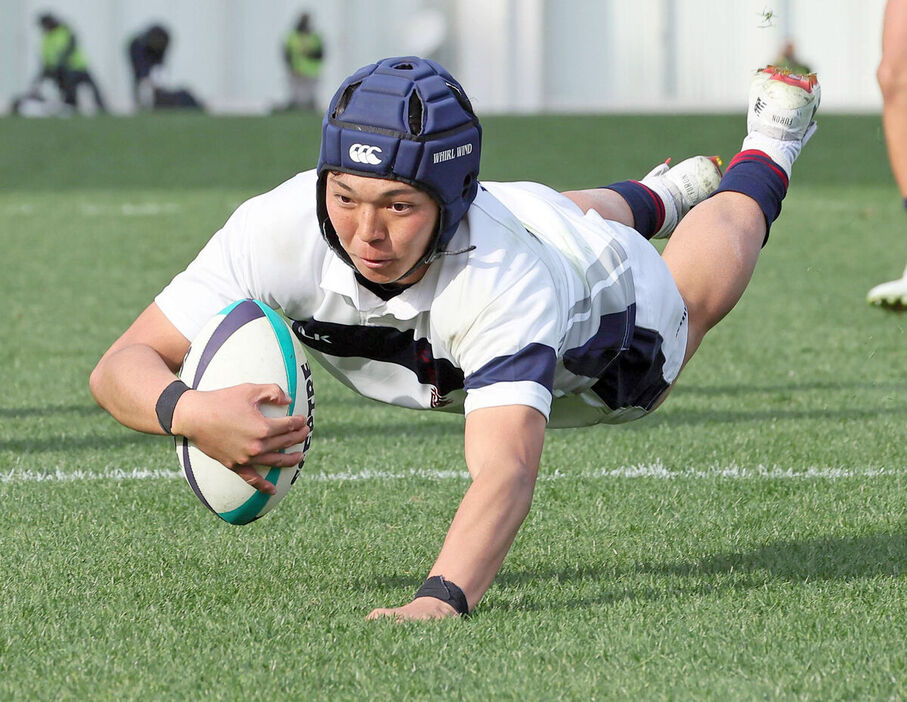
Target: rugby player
(417,285)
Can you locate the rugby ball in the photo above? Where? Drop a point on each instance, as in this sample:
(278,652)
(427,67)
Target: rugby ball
(247,342)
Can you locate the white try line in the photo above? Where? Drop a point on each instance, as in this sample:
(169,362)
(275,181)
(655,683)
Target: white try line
(128,209)
(651,470)
(96,209)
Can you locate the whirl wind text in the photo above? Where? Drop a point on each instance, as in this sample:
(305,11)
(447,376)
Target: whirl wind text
(448,154)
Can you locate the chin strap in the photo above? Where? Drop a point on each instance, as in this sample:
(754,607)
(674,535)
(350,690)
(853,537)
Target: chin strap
(438,254)
(428,260)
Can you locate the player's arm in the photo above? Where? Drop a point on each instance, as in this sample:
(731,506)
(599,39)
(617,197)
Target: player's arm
(131,375)
(226,424)
(503,447)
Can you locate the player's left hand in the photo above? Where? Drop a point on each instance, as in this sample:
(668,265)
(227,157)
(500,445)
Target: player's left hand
(421,608)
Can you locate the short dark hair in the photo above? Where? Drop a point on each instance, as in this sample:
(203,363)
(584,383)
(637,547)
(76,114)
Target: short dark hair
(157,37)
(48,21)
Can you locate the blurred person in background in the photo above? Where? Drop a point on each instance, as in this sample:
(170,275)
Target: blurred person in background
(64,63)
(146,56)
(789,61)
(892,77)
(147,51)
(303,53)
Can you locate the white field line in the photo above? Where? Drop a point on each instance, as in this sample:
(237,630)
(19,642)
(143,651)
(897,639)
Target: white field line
(652,470)
(128,209)
(93,209)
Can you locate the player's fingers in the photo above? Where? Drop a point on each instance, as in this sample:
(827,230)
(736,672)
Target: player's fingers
(378,613)
(294,424)
(268,445)
(292,438)
(282,441)
(278,459)
(251,476)
(272,394)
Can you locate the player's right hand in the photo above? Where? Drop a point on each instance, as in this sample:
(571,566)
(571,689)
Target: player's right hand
(228,425)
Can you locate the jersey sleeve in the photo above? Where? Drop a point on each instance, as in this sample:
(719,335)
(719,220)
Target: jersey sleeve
(507,348)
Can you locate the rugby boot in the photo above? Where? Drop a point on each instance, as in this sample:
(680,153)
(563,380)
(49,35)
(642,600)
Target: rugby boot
(779,121)
(682,186)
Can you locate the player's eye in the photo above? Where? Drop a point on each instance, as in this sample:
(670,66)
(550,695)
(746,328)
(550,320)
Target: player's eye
(401,207)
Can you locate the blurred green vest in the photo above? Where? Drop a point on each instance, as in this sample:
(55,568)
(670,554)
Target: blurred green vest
(59,50)
(304,52)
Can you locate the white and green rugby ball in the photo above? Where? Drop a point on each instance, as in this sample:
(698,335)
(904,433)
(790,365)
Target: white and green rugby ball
(247,342)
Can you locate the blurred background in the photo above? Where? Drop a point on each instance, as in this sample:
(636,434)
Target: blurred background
(513,56)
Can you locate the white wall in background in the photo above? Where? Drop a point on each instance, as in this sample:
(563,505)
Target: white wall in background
(511,55)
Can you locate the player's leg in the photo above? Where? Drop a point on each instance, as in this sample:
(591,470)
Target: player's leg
(96,92)
(67,84)
(892,76)
(654,205)
(713,252)
(712,257)
(608,203)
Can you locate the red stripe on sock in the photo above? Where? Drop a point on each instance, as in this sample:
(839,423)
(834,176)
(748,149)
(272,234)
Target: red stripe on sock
(659,205)
(761,156)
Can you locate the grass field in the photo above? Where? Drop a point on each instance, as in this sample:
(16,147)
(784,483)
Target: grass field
(748,541)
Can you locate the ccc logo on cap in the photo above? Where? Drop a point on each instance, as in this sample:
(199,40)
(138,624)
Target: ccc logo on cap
(364,153)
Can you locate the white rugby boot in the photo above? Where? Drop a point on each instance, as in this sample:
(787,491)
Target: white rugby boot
(780,117)
(682,186)
(891,295)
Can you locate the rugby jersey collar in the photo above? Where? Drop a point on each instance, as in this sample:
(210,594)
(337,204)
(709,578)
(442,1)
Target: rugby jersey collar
(339,278)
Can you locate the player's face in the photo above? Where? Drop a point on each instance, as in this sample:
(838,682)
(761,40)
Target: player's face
(384,225)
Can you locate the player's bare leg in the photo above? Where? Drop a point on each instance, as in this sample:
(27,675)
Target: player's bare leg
(892,77)
(656,204)
(712,256)
(713,252)
(608,203)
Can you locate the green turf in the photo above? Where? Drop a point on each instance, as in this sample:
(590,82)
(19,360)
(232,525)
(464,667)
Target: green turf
(759,553)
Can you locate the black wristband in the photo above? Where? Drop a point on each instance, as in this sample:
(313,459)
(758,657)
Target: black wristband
(166,404)
(446,591)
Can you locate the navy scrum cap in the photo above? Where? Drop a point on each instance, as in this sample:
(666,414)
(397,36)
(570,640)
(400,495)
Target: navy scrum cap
(405,119)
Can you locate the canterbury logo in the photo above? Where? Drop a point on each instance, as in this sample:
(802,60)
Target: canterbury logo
(364,153)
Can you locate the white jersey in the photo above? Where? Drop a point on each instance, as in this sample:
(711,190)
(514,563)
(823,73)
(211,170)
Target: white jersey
(564,312)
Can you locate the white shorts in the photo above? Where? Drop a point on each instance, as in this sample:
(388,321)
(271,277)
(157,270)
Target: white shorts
(635,382)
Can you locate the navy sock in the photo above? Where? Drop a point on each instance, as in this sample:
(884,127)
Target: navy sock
(648,209)
(754,174)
